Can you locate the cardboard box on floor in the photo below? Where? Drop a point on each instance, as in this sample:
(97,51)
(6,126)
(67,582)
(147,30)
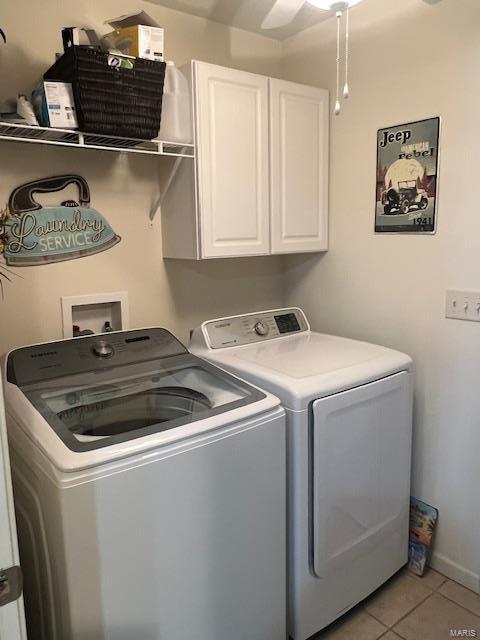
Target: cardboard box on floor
(136,34)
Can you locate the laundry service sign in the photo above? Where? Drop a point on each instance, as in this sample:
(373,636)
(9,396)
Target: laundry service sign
(34,235)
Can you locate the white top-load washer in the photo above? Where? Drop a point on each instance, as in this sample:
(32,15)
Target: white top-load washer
(150,492)
(349,424)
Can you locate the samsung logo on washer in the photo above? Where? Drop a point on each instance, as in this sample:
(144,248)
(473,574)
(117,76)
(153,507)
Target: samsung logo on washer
(33,234)
(43,354)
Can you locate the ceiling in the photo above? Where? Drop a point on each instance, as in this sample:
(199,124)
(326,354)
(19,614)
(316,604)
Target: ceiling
(246,14)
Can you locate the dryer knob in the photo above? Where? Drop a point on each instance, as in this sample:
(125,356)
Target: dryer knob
(261,329)
(102,349)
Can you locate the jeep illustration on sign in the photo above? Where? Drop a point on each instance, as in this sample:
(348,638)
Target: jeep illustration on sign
(407,173)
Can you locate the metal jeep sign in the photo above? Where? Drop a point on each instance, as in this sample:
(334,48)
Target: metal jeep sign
(34,235)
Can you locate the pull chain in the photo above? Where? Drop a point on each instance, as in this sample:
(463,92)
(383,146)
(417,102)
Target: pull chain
(337,102)
(346,90)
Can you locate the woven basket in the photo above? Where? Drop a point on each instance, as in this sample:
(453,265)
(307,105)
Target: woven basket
(111,100)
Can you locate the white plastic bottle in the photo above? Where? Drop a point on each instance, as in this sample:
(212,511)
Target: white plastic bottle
(176,123)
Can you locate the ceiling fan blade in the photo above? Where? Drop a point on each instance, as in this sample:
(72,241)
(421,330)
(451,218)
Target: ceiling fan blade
(282,13)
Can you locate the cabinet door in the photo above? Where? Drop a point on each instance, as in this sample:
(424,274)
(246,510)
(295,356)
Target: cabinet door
(232,148)
(299,167)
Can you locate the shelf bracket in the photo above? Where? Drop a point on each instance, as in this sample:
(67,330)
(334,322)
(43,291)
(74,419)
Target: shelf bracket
(165,187)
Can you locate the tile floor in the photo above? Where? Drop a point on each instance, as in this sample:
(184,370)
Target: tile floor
(411,608)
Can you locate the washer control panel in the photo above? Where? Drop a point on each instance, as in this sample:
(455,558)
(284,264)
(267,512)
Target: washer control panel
(254,327)
(42,362)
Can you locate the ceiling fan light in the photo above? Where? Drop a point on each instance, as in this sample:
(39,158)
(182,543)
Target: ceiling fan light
(327,5)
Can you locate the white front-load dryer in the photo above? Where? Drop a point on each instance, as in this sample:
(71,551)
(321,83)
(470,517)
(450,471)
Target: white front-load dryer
(149,492)
(349,426)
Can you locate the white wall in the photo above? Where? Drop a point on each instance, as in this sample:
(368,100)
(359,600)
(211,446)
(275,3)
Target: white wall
(410,60)
(169,293)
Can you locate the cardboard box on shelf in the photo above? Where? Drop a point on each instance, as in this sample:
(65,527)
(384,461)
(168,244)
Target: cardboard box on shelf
(136,34)
(60,105)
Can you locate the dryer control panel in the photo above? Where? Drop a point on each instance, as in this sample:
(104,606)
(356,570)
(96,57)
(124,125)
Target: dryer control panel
(254,327)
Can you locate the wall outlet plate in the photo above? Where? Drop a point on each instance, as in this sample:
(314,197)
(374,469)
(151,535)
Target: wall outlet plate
(463,305)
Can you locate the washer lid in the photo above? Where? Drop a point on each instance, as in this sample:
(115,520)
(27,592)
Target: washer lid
(303,367)
(125,395)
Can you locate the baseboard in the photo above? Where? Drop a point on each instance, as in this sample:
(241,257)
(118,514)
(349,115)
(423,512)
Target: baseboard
(455,572)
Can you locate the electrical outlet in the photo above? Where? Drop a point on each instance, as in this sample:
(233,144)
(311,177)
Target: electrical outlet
(463,305)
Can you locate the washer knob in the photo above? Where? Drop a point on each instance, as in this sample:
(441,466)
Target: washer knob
(103,349)
(261,329)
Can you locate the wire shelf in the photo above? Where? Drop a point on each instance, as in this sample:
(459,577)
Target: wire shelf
(69,138)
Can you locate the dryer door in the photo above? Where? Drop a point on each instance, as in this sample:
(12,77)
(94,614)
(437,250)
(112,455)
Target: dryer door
(361,447)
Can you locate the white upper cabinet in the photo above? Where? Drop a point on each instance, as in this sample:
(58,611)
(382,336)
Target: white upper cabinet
(298,167)
(259,182)
(232,152)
